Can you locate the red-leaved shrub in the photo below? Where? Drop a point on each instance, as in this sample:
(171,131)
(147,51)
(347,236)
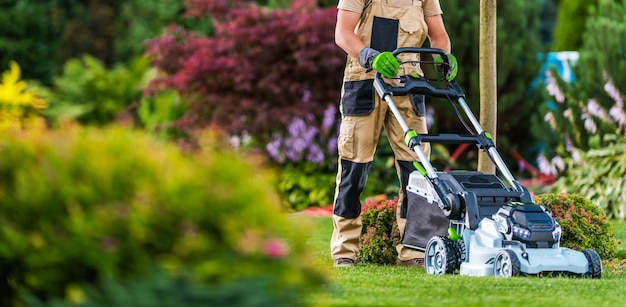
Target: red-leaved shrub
(257,72)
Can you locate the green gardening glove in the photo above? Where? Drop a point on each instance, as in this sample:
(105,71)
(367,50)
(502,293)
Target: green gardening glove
(449,69)
(385,63)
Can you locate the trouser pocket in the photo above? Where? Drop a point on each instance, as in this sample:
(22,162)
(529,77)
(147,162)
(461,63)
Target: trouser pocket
(358,97)
(345,144)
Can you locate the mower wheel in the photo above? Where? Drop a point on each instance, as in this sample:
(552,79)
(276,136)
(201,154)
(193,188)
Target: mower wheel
(595,264)
(441,256)
(506,264)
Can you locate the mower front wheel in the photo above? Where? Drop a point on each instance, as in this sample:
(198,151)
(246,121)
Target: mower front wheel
(595,264)
(440,257)
(506,264)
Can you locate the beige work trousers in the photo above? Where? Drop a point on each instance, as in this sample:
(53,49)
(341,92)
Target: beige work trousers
(357,143)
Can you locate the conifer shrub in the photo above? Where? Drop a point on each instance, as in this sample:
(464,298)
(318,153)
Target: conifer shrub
(380,233)
(570,24)
(584,223)
(86,210)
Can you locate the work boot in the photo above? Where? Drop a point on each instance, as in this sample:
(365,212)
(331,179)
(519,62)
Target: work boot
(415,262)
(344,262)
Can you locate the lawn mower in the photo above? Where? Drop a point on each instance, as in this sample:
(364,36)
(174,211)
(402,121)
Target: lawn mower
(470,221)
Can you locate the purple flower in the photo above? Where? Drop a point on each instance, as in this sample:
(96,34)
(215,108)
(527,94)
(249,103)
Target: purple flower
(273,148)
(545,166)
(310,134)
(294,148)
(553,88)
(332,145)
(315,154)
(304,140)
(576,157)
(558,162)
(590,125)
(617,113)
(306,96)
(430,116)
(595,109)
(296,127)
(329,119)
(549,118)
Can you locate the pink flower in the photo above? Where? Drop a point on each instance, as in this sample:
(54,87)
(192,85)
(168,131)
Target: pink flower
(276,248)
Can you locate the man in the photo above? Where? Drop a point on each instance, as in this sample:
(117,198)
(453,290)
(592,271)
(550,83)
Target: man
(367,30)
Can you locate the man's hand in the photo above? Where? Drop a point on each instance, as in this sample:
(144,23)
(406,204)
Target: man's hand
(450,70)
(385,63)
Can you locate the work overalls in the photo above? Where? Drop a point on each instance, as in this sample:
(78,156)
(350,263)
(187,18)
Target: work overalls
(384,26)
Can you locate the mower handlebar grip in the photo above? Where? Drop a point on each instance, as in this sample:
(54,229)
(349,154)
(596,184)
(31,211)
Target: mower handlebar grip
(419,86)
(420,50)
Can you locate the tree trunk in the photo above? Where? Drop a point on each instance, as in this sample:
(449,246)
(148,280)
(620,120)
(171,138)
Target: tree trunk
(487,78)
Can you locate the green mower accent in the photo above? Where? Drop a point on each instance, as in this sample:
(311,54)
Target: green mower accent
(453,235)
(409,136)
(420,168)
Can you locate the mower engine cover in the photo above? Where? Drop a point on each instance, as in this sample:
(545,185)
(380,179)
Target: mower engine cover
(530,224)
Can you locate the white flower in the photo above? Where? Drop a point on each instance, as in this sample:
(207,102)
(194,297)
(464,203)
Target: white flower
(553,88)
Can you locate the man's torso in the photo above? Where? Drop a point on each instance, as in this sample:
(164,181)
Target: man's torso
(431,7)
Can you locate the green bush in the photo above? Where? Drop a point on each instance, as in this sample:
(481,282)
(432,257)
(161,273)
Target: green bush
(598,175)
(158,113)
(94,94)
(306,185)
(81,206)
(584,224)
(380,234)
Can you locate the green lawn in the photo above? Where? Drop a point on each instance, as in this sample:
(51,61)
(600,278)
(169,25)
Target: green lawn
(376,285)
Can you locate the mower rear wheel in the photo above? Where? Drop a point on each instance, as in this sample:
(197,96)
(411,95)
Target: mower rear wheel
(595,264)
(506,264)
(440,257)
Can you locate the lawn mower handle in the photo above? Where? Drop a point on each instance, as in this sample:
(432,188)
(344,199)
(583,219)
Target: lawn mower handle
(451,91)
(418,85)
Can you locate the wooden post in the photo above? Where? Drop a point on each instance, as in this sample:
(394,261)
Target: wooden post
(487,78)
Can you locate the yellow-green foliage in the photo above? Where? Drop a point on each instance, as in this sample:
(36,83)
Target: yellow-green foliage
(570,24)
(79,206)
(18,105)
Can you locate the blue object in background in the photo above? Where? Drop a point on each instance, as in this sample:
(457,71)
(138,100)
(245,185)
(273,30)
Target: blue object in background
(563,62)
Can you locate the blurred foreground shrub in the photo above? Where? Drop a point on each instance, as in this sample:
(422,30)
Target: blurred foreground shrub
(85,211)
